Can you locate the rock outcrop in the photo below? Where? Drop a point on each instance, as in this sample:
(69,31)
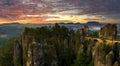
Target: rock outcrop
(100,51)
(51,51)
(105,55)
(29,52)
(18,57)
(109,31)
(83,32)
(41,55)
(86,30)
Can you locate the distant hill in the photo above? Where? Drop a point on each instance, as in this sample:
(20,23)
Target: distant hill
(94,23)
(15,29)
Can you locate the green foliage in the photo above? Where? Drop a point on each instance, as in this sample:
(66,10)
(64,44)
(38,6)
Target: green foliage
(65,43)
(59,37)
(94,34)
(45,32)
(81,60)
(77,41)
(59,31)
(66,57)
(92,63)
(6,53)
(106,48)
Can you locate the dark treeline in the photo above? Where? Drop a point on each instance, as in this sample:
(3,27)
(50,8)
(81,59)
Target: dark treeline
(6,53)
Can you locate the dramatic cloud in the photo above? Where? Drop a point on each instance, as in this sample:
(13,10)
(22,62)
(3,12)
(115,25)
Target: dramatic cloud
(36,10)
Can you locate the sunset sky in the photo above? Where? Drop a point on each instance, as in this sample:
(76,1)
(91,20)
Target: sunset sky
(52,11)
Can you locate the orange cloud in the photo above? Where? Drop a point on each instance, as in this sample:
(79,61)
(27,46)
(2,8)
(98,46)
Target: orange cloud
(31,20)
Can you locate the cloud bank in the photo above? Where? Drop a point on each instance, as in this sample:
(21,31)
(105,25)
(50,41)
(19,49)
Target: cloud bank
(26,9)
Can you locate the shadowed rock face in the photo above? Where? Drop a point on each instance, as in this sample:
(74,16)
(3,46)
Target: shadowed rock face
(33,53)
(18,60)
(109,31)
(86,30)
(83,32)
(38,54)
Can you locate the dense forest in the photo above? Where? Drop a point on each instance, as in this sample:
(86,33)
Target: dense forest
(65,42)
(54,46)
(61,42)
(6,53)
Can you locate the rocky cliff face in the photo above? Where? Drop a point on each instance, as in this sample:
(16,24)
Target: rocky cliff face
(109,31)
(100,50)
(38,54)
(29,52)
(52,51)
(105,55)
(86,30)
(18,60)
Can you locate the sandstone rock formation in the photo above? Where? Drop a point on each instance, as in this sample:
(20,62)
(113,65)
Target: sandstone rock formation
(86,30)
(106,55)
(109,31)
(18,58)
(29,51)
(83,32)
